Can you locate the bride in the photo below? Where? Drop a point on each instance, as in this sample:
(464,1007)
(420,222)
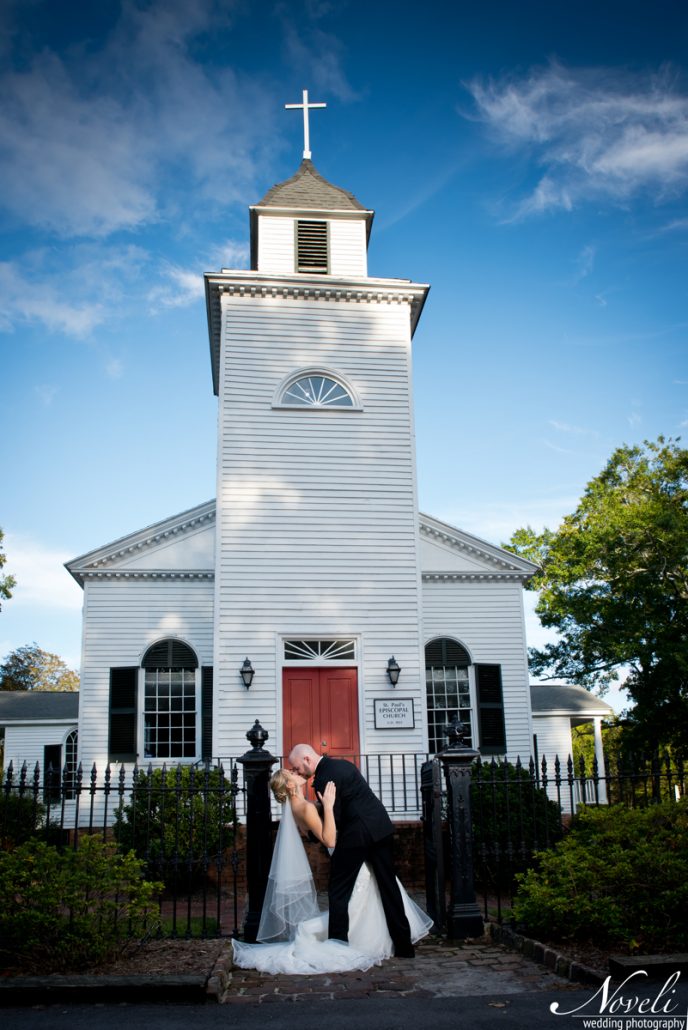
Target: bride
(292,930)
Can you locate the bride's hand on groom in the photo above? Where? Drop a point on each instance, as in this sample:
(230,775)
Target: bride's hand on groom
(328,796)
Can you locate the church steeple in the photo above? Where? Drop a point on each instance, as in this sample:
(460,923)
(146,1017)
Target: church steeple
(306,225)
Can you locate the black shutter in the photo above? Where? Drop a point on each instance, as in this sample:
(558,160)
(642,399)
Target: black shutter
(123,714)
(207,712)
(488,680)
(52,771)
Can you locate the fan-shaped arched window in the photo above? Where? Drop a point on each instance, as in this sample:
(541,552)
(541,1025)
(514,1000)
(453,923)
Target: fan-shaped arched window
(169,711)
(316,391)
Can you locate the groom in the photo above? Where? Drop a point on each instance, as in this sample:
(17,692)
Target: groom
(364,834)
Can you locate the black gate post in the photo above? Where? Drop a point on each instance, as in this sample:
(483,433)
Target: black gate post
(464,918)
(257,763)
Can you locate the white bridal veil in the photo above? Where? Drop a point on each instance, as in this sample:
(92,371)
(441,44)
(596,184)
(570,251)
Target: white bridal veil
(290,897)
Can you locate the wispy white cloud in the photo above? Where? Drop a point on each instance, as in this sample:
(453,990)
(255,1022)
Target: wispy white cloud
(585,262)
(114,369)
(634,419)
(677,225)
(229,254)
(91,283)
(308,46)
(25,301)
(557,448)
(566,427)
(497,521)
(178,287)
(94,144)
(182,286)
(432,185)
(594,133)
(47,392)
(42,581)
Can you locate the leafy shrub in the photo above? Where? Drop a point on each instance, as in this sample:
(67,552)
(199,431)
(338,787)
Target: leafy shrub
(620,878)
(21,817)
(69,909)
(512,819)
(179,822)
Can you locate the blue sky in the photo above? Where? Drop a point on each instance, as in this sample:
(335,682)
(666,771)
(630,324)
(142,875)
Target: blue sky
(529,161)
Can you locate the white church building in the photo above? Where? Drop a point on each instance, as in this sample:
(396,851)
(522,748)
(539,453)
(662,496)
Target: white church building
(312,594)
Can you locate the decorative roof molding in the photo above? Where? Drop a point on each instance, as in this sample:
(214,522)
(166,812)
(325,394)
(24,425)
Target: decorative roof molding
(101,560)
(263,285)
(147,574)
(505,564)
(464,577)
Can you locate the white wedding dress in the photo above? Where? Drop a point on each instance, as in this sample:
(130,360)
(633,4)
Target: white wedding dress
(293,931)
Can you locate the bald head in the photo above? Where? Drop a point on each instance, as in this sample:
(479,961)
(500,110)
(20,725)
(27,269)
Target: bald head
(304,759)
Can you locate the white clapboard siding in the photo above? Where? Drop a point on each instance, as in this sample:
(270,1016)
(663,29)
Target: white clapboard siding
(348,255)
(553,733)
(122,618)
(25,743)
(487,618)
(317,516)
(346,246)
(276,245)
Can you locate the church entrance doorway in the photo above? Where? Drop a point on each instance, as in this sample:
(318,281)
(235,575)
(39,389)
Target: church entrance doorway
(320,708)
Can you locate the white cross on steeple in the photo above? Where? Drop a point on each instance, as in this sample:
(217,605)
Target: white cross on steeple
(306,108)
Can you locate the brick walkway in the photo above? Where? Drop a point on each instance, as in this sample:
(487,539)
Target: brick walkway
(440,969)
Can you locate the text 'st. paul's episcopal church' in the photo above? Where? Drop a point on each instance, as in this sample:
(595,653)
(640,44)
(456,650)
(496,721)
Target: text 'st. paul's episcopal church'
(312,594)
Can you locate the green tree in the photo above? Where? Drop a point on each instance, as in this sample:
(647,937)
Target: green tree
(31,668)
(7,583)
(613,583)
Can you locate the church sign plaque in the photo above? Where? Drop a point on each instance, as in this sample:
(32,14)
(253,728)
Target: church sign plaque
(394,713)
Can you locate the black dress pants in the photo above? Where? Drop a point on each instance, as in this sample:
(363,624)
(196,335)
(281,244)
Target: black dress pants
(346,863)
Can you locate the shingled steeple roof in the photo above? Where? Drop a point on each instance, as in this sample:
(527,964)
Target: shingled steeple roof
(308,190)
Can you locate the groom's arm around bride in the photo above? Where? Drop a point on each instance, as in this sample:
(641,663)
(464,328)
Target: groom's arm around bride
(364,834)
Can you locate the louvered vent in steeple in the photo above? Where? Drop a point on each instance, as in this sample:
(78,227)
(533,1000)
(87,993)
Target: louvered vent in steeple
(311,246)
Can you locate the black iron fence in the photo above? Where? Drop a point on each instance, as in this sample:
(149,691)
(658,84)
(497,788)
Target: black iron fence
(187,824)
(520,809)
(181,821)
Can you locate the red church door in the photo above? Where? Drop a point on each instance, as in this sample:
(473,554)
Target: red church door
(320,708)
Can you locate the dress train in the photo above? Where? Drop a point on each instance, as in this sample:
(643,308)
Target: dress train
(311,952)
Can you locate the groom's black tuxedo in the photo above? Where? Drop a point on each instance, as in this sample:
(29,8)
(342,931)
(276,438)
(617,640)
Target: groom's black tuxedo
(364,834)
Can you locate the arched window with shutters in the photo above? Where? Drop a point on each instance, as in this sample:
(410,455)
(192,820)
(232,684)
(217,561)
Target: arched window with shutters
(169,707)
(161,709)
(455,686)
(448,689)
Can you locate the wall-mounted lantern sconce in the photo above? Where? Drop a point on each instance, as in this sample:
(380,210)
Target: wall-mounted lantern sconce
(393,670)
(247,673)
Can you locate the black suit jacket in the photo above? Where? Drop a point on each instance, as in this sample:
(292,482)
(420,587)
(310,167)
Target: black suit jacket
(360,816)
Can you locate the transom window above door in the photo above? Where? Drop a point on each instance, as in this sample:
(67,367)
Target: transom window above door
(316,391)
(320,650)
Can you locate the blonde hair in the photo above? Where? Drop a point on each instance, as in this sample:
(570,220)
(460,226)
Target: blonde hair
(279,785)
